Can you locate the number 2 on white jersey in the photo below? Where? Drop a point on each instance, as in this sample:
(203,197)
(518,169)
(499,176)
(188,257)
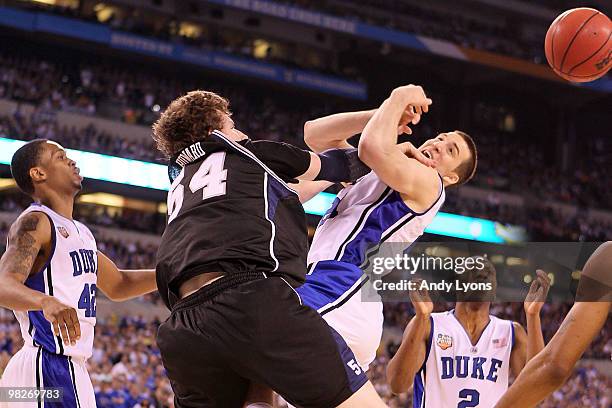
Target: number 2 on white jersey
(210,177)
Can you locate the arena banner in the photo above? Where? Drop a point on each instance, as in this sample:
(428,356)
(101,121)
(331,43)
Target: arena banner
(404,39)
(93,32)
(155,176)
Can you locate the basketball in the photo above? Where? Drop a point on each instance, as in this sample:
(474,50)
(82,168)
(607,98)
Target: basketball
(578,46)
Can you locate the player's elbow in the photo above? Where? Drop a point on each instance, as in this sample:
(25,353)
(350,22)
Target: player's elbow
(114,294)
(369,153)
(310,137)
(556,371)
(115,291)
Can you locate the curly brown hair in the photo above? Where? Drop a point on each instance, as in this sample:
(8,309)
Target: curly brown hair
(188,119)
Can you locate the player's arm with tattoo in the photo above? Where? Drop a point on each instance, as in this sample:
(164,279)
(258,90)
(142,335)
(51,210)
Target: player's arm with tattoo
(29,244)
(120,284)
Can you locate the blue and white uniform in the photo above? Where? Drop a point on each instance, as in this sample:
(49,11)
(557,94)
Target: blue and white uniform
(457,373)
(363,215)
(70,275)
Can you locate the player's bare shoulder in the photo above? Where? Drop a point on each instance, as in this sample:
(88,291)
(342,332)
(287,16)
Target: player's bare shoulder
(426,191)
(596,281)
(28,243)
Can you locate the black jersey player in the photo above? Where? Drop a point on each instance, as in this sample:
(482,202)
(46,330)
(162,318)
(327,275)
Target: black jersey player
(234,249)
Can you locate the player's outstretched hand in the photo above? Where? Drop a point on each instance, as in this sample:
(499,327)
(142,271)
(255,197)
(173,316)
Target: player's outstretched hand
(64,320)
(411,151)
(423,306)
(537,293)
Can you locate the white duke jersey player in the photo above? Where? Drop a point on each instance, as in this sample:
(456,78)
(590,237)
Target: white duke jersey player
(70,275)
(457,373)
(362,216)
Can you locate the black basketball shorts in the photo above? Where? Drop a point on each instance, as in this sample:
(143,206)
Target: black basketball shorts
(216,342)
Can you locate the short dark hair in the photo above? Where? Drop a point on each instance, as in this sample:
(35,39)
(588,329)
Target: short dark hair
(467,168)
(189,119)
(23,160)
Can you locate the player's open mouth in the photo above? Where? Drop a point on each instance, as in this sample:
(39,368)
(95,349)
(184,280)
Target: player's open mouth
(427,154)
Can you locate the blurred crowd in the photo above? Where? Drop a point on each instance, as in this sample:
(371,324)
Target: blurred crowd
(399,314)
(500,167)
(134,96)
(126,369)
(208,38)
(487,34)
(542,222)
(494,35)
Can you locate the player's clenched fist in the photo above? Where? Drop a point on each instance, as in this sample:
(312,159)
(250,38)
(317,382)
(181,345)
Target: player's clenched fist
(412,96)
(63,318)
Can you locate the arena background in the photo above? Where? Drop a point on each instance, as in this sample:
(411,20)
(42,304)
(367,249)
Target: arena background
(95,75)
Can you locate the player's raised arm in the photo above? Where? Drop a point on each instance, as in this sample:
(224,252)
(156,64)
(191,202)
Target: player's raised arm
(119,284)
(379,150)
(29,245)
(332,132)
(527,344)
(533,306)
(291,162)
(329,132)
(549,369)
(412,352)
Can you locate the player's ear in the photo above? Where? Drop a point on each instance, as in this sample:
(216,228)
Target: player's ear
(450,178)
(38,174)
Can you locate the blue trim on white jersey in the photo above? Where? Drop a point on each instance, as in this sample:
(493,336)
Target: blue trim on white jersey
(512,328)
(56,373)
(328,281)
(384,216)
(429,341)
(38,374)
(74,385)
(40,328)
(420,377)
(419,390)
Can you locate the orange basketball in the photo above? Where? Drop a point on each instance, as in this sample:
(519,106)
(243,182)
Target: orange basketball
(578,46)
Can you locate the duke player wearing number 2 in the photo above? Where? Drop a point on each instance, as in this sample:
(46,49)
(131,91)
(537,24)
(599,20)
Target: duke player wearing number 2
(49,276)
(463,358)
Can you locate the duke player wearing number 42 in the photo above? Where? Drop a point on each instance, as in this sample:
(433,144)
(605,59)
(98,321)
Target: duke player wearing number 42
(49,276)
